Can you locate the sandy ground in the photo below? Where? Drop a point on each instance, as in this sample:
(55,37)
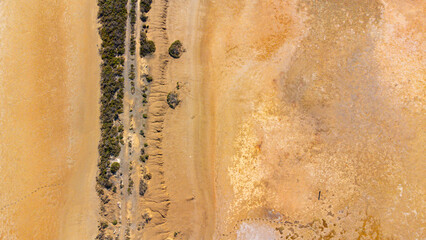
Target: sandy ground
(49,119)
(180,195)
(318,118)
(188,170)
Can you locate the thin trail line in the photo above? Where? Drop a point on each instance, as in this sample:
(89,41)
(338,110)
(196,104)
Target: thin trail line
(4,207)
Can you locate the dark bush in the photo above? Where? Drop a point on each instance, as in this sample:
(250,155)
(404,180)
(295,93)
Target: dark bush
(144,158)
(103,225)
(142,187)
(176,49)
(172,100)
(144,18)
(145,6)
(146,217)
(148,78)
(147,176)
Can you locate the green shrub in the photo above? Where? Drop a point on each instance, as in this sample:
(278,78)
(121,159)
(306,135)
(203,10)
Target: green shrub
(114,222)
(104,181)
(176,49)
(115,166)
(147,48)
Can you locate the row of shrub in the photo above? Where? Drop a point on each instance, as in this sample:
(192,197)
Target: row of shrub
(146,46)
(132,16)
(112,16)
(132,76)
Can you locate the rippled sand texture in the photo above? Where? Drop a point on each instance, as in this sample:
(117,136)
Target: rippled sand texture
(318,96)
(49,119)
